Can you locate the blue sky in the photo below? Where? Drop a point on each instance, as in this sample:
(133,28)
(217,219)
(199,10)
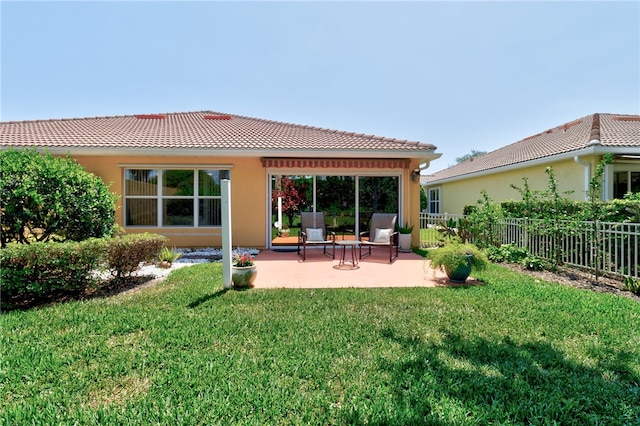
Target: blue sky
(459,75)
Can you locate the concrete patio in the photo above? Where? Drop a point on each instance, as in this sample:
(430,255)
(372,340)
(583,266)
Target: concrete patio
(285,269)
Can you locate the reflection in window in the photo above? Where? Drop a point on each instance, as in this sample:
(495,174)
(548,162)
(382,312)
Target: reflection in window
(187,197)
(378,194)
(434,201)
(625,181)
(346,208)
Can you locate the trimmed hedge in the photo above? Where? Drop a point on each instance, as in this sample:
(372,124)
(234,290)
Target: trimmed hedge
(37,269)
(44,269)
(125,253)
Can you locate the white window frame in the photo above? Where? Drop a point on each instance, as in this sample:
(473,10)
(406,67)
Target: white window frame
(610,171)
(431,201)
(160,197)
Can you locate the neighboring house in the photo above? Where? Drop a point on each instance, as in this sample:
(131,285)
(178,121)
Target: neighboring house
(167,169)
(573,150)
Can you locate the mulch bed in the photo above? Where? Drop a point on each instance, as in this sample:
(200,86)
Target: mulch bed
(578,279)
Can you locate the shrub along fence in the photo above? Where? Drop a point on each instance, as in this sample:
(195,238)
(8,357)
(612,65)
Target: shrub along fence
(602,247)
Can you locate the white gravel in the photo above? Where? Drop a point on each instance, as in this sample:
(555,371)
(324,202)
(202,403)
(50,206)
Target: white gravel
(190,257)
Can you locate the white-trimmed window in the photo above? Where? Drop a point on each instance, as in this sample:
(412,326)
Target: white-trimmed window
(159,197)
(625,181)
(433,195)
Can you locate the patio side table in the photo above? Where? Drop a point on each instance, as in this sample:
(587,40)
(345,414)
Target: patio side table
(354,258)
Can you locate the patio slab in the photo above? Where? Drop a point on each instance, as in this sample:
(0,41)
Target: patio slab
(285,269)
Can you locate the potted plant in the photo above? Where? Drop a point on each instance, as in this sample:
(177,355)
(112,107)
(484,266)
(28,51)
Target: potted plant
(167,257)
(404,237)
(284,231)
(243,270)
(458,260)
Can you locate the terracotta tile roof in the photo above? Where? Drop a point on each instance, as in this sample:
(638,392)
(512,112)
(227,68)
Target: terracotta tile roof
(608,130)
(203,130)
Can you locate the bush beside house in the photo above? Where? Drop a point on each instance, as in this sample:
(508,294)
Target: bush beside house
(46,198)
(57,223)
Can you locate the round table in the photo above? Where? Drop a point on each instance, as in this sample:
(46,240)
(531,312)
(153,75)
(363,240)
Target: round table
(354,257)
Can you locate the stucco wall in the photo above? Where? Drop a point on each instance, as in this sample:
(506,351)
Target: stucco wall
(570,176)
(248,198)
(411,206)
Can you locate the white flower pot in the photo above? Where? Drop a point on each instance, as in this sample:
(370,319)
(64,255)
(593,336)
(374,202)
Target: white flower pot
(405,242)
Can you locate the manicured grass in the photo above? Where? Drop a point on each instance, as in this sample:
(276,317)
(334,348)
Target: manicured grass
(512,351)
(430,235)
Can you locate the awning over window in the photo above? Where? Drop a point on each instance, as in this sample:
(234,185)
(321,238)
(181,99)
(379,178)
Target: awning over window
(336,163)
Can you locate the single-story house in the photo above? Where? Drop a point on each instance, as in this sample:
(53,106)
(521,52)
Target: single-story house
(167,169)
(573,150)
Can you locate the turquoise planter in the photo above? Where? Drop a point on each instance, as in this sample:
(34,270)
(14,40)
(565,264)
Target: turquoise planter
(460,274)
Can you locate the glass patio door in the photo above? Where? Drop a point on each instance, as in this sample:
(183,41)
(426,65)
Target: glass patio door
(336,197)
(290,195)
(377,194)
(348,202)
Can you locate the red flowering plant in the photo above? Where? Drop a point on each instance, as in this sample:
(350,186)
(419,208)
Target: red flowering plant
(294,197)
(242,259)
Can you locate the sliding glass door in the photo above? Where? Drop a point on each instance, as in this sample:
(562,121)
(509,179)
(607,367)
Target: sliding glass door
(348,202)
(336,197)
(376,195)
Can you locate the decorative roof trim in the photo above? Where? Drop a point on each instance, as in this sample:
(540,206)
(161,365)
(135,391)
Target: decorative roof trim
(335,163)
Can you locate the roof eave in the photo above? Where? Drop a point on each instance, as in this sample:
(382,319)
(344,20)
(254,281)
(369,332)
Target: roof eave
(422,155)
(591,150)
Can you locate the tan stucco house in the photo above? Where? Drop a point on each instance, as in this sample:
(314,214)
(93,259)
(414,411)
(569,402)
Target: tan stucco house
(168,167)
(573,150)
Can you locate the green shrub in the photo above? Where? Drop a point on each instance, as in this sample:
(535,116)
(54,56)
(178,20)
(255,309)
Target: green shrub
(454,255)
(533,263)
(625,210)
(39,269)
(127,252)
(632,284)
(480,220)
(455,230)
(168,255)
(509,253)
(45,198)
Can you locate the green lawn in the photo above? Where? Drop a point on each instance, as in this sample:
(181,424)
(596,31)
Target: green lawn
(513,351)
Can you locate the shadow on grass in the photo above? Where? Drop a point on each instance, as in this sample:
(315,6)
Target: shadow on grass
(481,382)
(200,300)
(108,288)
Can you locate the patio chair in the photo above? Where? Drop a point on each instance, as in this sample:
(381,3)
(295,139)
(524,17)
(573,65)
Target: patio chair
(313,232)
(382,233)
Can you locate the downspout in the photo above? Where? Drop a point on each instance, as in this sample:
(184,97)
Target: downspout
(587,175)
